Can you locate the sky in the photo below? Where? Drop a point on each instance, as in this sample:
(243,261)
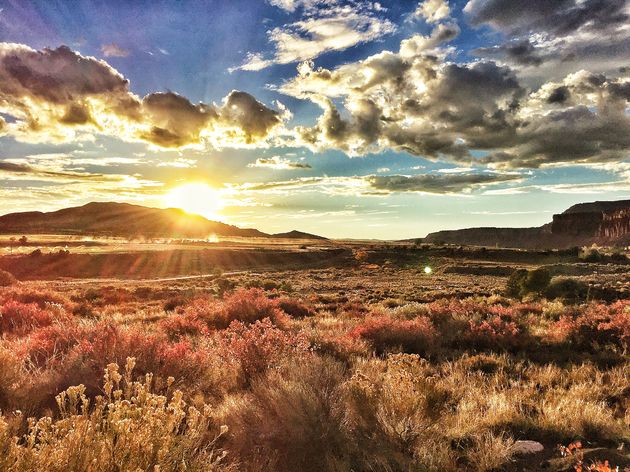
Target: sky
(344,118)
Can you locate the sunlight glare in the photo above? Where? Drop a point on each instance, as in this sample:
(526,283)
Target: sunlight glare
(197,198)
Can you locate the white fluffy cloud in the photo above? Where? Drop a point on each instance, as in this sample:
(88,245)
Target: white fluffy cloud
(415,100)
(57,95)
(326,25)
(433,10)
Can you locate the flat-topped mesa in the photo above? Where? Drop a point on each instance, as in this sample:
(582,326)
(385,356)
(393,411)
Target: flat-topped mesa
(602,220)
(577,224)
(606,223)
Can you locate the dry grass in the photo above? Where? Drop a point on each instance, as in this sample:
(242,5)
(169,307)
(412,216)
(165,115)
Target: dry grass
(348,373)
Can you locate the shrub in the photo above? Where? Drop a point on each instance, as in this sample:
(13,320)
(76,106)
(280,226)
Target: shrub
(185,324)
(41,297)
(129,428)
(245,305)
(7,279)
(294,308)
(174,302)
(514,284)
(495,334)
(21,318)
(569,290)
(537,280)
(293,420)
(597,323)
(259,346)
(224,285)
(523,282)
(416,336)
(592,255)
(48,345)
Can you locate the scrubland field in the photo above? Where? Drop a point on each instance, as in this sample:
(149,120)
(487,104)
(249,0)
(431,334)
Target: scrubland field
(336,357)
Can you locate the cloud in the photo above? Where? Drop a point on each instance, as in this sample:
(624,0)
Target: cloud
(379,185)
(277,162)
(114,50)
(417,101)
(44,174)
(438,183)
(58,95)
(292,5)
(520,52)
(326,26)
(433,10)
(593,33)
(560,17)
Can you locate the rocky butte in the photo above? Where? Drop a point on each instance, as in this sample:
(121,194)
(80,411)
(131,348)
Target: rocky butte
(603,223)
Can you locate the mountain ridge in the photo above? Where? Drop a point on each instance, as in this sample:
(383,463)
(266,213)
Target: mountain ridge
(125,219)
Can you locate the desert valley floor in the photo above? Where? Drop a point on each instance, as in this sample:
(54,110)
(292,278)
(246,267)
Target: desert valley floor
(311,356)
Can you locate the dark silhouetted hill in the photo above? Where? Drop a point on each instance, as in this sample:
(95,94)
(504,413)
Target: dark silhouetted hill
(295,234)
(120,219)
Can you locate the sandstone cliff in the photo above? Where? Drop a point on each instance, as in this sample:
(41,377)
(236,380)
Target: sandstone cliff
(606,223)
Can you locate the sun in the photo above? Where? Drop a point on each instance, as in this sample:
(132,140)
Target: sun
(197,198)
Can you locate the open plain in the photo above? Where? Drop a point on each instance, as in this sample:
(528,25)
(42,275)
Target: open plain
(313,355)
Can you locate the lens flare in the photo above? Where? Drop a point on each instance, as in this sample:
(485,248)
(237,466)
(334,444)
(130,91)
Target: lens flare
(197,198)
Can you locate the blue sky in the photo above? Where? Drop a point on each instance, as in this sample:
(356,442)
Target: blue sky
(345,118)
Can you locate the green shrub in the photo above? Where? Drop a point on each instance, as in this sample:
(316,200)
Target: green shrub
(523,282)
(537,281)
(592,255)
(569,290)
(515,283)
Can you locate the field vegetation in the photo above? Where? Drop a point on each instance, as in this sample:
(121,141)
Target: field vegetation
(362,368)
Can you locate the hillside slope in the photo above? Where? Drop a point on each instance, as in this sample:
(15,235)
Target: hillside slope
(120,219)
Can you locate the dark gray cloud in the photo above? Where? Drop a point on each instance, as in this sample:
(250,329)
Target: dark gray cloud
(25,169)
(558,17)
(175,120)
(521,52)
(242,110)
(437,183)
(563,34)
(443,183)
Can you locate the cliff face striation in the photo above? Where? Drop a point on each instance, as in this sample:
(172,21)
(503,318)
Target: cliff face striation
(606,223)
(603,221)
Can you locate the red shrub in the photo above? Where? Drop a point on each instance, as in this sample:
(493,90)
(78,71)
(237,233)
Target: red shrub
(294,308)
(47,346)
(597,323)
(185,324)
(21,318)
(416,336)
(245,305)
(40,297)
(107,296)
(494,333)
(259,346)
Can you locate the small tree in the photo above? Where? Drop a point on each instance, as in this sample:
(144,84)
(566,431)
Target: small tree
(537,280)
(23,240)
(523,282)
